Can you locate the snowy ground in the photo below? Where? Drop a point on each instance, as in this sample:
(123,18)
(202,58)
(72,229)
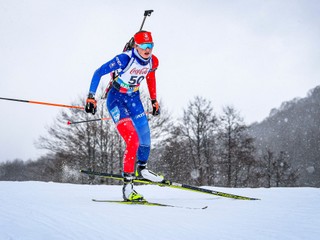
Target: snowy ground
(38,211)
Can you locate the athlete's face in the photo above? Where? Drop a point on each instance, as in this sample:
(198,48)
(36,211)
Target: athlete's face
(145,53)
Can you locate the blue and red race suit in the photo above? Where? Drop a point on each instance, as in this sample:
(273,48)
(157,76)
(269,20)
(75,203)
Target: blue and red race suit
(124,103)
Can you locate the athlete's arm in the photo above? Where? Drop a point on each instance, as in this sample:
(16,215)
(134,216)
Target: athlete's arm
(151,78)
(118,62)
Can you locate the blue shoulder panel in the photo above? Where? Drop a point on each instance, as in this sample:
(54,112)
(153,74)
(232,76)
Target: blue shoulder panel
(118,62)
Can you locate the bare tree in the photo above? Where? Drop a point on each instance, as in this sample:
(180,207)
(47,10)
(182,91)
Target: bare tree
(236,149)
(191,148)
(276,170)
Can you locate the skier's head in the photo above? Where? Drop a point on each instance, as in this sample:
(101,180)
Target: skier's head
(143,43)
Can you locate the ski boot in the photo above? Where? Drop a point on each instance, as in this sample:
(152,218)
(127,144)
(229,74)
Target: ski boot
(143,172)
(129,194)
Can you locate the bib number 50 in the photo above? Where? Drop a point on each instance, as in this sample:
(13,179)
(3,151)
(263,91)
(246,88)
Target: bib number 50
(135,80)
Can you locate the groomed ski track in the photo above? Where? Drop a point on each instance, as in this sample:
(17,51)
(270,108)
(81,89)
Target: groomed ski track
(38,210)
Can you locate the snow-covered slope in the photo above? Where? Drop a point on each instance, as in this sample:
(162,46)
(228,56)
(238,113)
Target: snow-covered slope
(38,211)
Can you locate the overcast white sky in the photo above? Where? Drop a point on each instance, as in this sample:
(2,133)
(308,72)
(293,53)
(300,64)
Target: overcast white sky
(251,54)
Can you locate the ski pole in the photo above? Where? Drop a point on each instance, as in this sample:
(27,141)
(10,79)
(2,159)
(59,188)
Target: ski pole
(96,119)
(42,103)
(91,120)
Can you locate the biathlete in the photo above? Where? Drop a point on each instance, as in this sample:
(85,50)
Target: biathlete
(126,109)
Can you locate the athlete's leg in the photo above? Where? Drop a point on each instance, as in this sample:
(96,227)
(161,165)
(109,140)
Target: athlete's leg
(142,126)
(128,133)
(139,118)
(117,109)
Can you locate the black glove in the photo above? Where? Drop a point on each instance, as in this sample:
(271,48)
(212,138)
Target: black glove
(91,104)
(155,107)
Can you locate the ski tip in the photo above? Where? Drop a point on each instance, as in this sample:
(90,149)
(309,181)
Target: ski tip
(248,199)
(253,199)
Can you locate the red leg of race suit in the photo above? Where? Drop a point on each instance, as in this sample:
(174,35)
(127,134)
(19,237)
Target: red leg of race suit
(130,136)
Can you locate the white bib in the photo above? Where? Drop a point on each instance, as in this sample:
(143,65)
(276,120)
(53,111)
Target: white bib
(134,74)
